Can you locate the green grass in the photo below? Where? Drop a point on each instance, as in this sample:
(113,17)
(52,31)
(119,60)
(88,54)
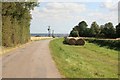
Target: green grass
(88,61)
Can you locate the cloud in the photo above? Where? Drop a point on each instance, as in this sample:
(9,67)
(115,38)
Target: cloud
(63,8)
(113,5)
(112,15)
(104,17)
(59,11)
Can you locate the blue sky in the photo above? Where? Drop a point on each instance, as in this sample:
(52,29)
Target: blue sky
(62,17)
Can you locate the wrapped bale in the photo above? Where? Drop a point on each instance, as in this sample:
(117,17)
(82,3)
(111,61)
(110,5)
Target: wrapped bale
(74,41)
(70,40)
(80,41)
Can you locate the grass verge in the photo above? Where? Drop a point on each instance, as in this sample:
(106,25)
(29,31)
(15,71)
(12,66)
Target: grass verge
(5,50)
(88,61)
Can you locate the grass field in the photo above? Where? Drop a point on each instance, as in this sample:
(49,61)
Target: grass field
(88,61)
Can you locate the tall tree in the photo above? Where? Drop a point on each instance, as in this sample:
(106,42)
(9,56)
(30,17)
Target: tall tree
(74,33)
(101,34)
(16,22)
(82,26)
(94,30)
(118,30)
(109,30)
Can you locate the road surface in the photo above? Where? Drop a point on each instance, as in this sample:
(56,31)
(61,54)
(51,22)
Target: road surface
(32,61)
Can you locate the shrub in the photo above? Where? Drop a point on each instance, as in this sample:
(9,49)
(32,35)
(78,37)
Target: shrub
(74,33)
(112,44)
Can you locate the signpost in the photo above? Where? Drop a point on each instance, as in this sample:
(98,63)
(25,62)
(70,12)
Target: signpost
(49,31)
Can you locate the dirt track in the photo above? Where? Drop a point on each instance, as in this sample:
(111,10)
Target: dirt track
(32,61)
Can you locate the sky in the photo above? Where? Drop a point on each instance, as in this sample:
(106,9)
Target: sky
(63,16)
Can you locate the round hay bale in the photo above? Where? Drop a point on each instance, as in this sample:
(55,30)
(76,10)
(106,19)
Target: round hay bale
(72,41)
(80,42)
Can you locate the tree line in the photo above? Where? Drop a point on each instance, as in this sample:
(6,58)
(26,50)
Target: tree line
(16,22)
(103,31)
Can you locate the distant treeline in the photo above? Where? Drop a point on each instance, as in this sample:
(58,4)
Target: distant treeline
(102,31)
(16,22)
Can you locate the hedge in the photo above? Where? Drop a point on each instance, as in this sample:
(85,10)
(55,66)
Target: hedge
(112,44)
(16,19)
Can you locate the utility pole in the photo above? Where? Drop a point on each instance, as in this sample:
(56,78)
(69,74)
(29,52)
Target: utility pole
(53,33)
(49,31)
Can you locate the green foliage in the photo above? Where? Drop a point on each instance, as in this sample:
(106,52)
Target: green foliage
(118,30)
(104,31)
(74,33)
(112,44)
(82,28)
(108,30)
(16,22)
(94,30)
(87,32)
(6,31)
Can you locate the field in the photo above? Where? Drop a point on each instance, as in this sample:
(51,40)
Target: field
(4,50)
(88,61)
(39,38)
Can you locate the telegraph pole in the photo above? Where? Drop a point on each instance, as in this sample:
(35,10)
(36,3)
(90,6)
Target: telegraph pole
(52,33)
(48,31)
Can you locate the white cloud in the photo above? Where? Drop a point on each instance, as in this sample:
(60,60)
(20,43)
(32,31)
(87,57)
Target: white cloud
(113,11)
(59,10)
(104,17)
(113,5)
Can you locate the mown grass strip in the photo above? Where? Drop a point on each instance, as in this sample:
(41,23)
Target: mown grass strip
(89,61)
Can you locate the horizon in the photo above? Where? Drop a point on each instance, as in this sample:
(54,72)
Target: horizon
(47,33)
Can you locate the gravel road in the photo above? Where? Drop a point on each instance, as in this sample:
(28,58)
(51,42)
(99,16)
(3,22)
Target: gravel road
(31,61)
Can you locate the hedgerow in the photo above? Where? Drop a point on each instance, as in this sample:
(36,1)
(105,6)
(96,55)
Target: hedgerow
(112,44)
(16,19)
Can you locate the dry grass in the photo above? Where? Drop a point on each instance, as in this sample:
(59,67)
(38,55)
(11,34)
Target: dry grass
(0,51)
(39,38)
(4,50)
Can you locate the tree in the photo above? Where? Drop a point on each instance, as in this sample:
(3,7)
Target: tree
(94,30)
(108,30)
(118,30)
(81,28)
(74,33)
(101,34)
(16,22)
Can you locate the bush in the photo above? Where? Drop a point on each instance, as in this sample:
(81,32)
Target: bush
(74,33)
(112,44)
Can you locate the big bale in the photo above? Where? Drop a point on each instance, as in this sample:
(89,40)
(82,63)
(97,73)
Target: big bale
(72,41)
(80,42)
